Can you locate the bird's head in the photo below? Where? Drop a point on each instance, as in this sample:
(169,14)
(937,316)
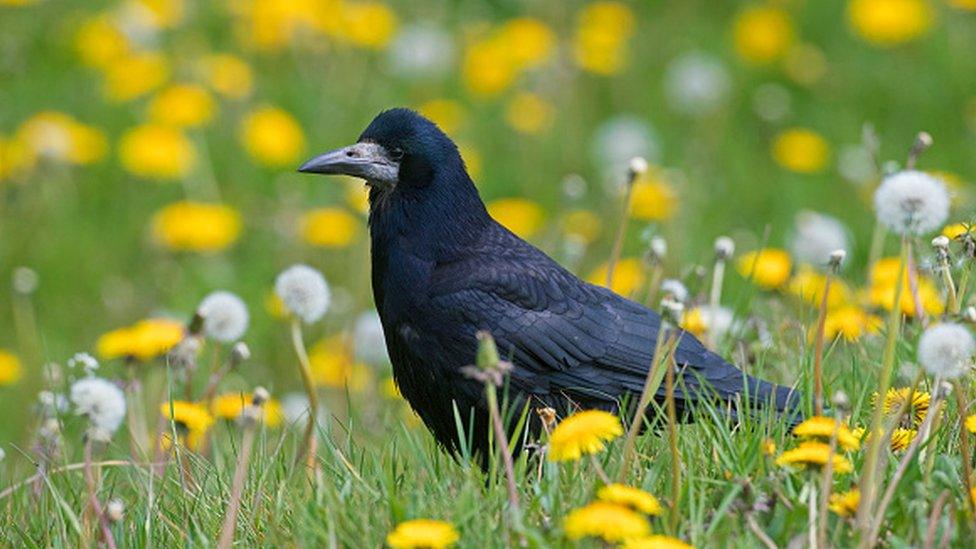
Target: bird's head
(399,148)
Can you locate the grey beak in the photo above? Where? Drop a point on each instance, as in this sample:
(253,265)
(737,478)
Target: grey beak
(368,161)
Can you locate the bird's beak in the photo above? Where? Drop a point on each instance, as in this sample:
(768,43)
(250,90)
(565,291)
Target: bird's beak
(364,160)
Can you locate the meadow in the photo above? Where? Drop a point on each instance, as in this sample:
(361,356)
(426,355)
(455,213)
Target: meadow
(151,350)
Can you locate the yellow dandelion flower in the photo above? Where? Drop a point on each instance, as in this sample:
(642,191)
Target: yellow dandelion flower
(192,422)
(57,136)
(607,521)
(823,428)
(769,447)
(851,323)
(228,75)
(274,305)
(184,105)
(328,227)
(422,534)
(230,405)
(333,366)
(895,398)
(694,321)
(813,453)
(390,389)
(529,114)
(801,150)
(809,284)
(583,433)
(164,14)
(16,157)
(99,42)
(272,137)
(134,75)
(156,151)
(887,23)
(530,42)
(522,217)
(653,198)
(487,69)
(196,227)
(368,24)
(628,276)
(845,503)
(762,34)
(447,114)
(602,32)
(769,268)
(880,292)
(142,341)
(655,542)
(956,230)
(901,438)
(630,497)
(581,225)
(971,423)
(10,369)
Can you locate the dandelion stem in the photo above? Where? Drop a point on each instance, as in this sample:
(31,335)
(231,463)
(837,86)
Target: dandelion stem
(503,448)
(877,245)
(812,513)
(818,346)
(967,465)
(657,272)
(309,439)
(673,441)
(651,383)
(715,296)
(827,485)
(96,507)
(237,486)
(618,241)
(913,287)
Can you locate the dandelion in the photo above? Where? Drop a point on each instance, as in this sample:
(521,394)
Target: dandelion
(230,406)
(813,453)
(227,75)
(887,23)
(618,140)
(272,136)
(851,323)
(368,24)
(845,504)
(707,320)
(530,114)
(192,421)
(583,433)
(674,288)
(630,497)
(10,368)
(142,341)
(946,350)
(826,428)
(332,365)
(225,316)
(422,534)
(809,285)
(196,226)
(901,438)
(607,521)
(912,202)
(156,151)
(801,150)
(628,276)
(304,292)
(182,105)
(115,510)
(769,267)
(102,402)
(697,84)
(897,398)
(522,217)
(653,198)
(447,114)
(582,226)
(655,542)
(815,237)
(132,76)
(602,31)
(420,52)
(86,361)
(59,137)
(762,34)
(99,41)
(369,341)
(328,227)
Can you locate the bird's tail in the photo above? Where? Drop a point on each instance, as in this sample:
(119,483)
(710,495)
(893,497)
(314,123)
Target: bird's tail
(785,400)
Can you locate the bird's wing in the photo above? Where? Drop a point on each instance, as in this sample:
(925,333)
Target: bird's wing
(564,336)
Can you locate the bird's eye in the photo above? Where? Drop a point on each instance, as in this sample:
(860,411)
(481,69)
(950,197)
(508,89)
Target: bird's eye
(396,153)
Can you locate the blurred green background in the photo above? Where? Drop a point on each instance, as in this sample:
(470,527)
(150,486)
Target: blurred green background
(748,112)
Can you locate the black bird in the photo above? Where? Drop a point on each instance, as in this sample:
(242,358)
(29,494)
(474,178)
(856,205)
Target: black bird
(443,269)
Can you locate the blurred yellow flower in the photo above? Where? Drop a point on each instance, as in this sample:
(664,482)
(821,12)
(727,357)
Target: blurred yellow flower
(813,453)
(192,422)
(529,114)
(653,198)
(971,423)
(10,369)
(530,42)
(163,14)
(582,225)
(628,276)
(57,136)
(472,159)
(655,542)
(272,136)
(607,521)
(630,497)
(333,366)
(422,534)
(968,5)
(602,32)
(368,24)
(274,305)
(956,230)
(805,64)
(762,34)
(694,321)
(196,226)
(808,284)
(447,114)
(135,75)
(824,428)
(99,41)
(230,405)
(16,157)
(801,150)
(357,196)
(228,75)
(328,227)
(845,503)
(522,217)
(272,24)
(583,433)
(880,292)
(487,69)
(186,105)
(769,268)
(156,151)
(887,23)
(851,323)
(142,341)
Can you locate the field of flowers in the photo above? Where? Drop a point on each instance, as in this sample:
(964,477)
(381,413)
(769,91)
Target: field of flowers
(173,292)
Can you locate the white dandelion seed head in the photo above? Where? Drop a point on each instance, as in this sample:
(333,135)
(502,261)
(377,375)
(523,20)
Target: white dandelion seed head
(696,84)
(946,350)
(369,340)
(85,361)
(421,51)
(615,142)
(304,292)
(911,202)
(3,453)
(25,280)
(225,316)
(574,186)
(815,237)
(724,247)
(659,247)
(102,402)
(115,510)
(718,320)
(674,288)
(941,242)
(854,163)
(637,167)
